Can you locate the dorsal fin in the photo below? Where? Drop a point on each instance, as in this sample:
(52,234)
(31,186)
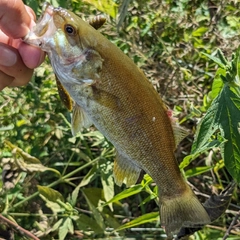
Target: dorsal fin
(79,120)
(97,21)
(64,95)
(179,132)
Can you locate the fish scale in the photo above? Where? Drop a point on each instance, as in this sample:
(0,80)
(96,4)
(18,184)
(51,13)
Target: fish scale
(111,92)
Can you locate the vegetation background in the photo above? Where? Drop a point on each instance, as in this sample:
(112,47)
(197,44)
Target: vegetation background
(56,186)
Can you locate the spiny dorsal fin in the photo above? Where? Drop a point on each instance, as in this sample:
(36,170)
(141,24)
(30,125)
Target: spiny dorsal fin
(64,95)
(79,119)
(179,132)
(125,170)
(97,21)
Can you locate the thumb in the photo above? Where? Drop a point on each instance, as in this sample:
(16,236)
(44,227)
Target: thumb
(14,18)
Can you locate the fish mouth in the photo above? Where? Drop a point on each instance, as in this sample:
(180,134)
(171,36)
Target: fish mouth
(43,29)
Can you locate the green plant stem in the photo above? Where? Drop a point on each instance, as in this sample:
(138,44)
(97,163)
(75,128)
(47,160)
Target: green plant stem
(32,214)
(62,179)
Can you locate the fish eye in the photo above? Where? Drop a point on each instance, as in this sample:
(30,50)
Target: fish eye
(70,30)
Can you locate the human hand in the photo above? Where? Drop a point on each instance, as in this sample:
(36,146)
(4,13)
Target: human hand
(17,59)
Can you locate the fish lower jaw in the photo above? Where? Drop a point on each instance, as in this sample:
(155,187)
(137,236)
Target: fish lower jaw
(32,39)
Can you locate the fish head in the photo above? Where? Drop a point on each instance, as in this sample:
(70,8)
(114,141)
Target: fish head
(67,40)
(56,31)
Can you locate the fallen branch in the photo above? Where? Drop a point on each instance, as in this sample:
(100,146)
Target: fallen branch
(231,226)
(17,227)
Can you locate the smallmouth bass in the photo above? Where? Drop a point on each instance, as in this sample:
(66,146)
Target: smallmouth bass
(111,92)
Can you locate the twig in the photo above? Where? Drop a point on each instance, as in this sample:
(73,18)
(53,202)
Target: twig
(231,226)
(15,225)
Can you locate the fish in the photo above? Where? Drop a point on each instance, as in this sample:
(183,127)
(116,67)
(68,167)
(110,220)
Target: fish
(111,92)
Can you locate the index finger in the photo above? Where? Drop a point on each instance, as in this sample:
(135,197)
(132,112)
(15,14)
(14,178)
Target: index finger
(14,18)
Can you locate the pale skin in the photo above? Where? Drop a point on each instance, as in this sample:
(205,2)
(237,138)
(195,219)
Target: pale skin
(17,59)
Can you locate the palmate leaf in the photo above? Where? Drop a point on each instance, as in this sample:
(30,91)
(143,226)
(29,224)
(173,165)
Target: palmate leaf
(230,122)
(222,120)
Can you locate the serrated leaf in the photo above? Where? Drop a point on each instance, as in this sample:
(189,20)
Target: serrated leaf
(50,194)
(224,116)
(230,120)
(206,128)
(146,218)
(216,87)
(199,150)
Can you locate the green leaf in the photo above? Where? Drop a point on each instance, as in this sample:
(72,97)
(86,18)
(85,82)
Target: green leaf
(89,177)
(107,6)
(6,128)
(126,193)
(85,223)
(216,60)
(50,194)
(197,171)
(57,224)
(54,206)
(229,118)
(74,195)
(65,228)
(199,31)
(206,128)
(196,150)
(107,180)
(223,116)
(26,162)
(146,218)
(93,196)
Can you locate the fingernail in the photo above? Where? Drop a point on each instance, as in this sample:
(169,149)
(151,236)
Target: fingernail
(7,57)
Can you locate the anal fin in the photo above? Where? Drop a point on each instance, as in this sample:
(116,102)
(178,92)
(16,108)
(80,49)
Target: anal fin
(125,171)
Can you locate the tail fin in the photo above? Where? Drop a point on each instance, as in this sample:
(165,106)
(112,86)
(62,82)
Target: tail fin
(182,211)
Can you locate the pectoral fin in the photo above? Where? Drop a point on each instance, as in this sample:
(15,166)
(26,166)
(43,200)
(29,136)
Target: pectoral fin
(125,171)
(106,99)
(79,120)
(64,95)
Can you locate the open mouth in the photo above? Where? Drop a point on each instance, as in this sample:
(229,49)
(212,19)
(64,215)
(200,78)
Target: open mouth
(43,29)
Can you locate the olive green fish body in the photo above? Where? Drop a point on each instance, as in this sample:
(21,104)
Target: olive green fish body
(111,92)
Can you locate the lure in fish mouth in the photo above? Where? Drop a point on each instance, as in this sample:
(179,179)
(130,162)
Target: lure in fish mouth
(109,91)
